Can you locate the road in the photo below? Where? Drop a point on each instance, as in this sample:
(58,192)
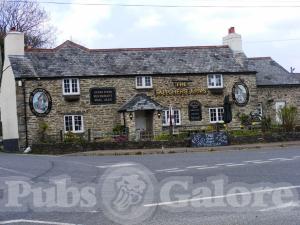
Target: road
(153,189)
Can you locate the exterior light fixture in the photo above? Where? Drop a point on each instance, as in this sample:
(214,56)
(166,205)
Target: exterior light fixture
(130,116)
(159,114)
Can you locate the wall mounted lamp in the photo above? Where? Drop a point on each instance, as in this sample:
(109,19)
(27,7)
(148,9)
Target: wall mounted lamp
(130,116)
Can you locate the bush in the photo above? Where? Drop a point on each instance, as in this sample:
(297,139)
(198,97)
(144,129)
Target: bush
(265,123)
(119,129)
(74,138)
(163,137)
(43,127)
(241,133)
(288,116)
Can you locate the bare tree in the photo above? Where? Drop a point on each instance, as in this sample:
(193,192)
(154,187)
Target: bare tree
(26,16)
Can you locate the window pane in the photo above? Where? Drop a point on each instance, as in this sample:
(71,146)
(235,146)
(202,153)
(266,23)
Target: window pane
(75,85)
(148,81)
(213,115)
(78,123)
(211,80)
(67,86)
(218,80)
(68,123)
(176,117)
(220,114)
(139,81)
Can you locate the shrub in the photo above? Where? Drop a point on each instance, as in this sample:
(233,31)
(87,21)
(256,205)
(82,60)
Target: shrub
(239,133)
(119,129)
(43,127)
(163,137)
(288,116)
(265,123)
(74,138)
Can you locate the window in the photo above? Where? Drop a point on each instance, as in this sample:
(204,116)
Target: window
(144,82)
(73,123)
(216,115)
(176,117)
(259,109)
(71,86)
(215,81)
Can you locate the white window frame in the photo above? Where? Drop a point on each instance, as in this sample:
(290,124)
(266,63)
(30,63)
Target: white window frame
(166,119)
(143,86)
(73,124)
(214,78)
(217,115)
(70,86)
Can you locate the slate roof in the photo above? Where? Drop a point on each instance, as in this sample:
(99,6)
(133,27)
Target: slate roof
(270,73)
(70,59)
(140,102)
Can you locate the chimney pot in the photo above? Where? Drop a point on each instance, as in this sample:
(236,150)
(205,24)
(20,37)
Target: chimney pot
(231,30)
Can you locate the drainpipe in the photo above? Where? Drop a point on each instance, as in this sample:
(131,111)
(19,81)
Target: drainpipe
(25,113)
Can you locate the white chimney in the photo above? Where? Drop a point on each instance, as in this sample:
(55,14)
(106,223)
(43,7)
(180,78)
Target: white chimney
(233,40)
(14,43)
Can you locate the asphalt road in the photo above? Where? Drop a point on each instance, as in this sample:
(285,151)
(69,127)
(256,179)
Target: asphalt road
(225,188)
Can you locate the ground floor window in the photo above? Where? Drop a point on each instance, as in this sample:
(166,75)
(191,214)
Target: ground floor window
(216,115)
(73,123)
(176,117)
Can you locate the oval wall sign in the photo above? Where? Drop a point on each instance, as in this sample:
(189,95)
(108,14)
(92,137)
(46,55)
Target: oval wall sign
(40,102)
(240,94)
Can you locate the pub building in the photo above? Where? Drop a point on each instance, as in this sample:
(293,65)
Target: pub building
(71,88)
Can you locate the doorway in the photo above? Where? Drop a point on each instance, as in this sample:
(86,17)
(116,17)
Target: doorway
(278,107)
(144,123)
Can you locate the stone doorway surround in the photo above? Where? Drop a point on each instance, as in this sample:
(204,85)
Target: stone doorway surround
(141,114)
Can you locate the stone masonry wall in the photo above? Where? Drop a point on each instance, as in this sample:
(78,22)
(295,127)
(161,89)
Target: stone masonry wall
(268,96)
(105,117)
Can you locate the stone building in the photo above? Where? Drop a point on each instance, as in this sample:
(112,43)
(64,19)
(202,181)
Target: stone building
(75,89)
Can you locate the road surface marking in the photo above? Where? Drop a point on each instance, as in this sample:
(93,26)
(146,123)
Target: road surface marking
(34,221)
(224,164)
(163,170)
(274,159)
(221,196)
(261,162)
(174,171)
(285,159)
(296,157)
(15,171)
(283,206)
(208,167)
(251,161)
(241,164)
(116,165)
(192,167)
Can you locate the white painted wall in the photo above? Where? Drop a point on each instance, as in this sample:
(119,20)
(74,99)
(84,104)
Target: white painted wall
(13,45)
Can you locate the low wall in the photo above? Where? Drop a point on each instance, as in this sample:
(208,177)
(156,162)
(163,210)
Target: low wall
(65,148)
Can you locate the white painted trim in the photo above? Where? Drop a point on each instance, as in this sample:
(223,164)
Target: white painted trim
(73,124)
(143,83)
(217,115)
(70,86)
(214,78)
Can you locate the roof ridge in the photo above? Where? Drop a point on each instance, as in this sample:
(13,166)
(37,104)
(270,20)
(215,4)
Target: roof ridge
(73,44)
(261,58)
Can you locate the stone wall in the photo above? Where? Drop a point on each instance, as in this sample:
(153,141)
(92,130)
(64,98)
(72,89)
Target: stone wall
(268,96)
(105,117)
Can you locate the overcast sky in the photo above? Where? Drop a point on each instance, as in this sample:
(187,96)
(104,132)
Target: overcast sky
(265,31)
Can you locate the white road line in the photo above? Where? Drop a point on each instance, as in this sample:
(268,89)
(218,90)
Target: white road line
(296,157)
(224,164)
(116,165)
(241,164)
(163,170)
(192,167)
(16,171)
(274,159)
(283,206)
(174,171)
(221,196)
(251,161)
(209,167)
(35,221)
(285,159)
(261,162)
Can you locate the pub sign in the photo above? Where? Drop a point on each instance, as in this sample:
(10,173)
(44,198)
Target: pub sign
(101,96)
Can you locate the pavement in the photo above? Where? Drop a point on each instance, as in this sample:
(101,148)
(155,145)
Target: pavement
(253,186)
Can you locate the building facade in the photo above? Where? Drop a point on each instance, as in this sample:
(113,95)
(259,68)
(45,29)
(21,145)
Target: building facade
(74,89)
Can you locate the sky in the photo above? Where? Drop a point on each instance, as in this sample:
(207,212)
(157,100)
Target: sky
(265,31)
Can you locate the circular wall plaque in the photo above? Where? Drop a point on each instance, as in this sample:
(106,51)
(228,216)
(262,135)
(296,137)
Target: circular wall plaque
(240,94)
(40,102)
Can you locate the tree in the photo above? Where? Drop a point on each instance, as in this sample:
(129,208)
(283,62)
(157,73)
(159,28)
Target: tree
(26,16)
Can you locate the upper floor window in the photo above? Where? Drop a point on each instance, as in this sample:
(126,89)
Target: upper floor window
(143,82)
(175,115)
(216,115)
(215,81)
(71,86)
(73,123)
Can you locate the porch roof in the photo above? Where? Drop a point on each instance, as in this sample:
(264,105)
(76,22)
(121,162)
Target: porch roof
(140,102)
